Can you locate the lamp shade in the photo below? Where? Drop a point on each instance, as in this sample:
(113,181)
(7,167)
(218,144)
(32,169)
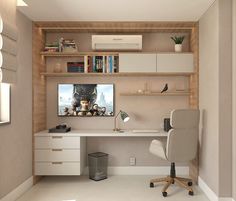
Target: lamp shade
(124,116)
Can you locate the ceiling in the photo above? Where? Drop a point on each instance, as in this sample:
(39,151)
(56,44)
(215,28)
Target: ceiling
(115,10)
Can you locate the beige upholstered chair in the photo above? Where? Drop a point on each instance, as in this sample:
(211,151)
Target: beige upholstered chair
(181,146)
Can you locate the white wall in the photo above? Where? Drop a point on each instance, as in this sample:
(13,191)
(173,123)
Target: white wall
(16,138)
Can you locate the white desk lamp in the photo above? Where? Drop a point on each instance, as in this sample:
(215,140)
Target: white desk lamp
(124,116)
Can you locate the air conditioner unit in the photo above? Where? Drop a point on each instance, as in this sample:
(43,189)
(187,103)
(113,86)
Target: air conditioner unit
(117,42)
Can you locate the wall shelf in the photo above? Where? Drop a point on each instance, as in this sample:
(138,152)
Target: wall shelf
(76,54)
(113,74)
(181,93)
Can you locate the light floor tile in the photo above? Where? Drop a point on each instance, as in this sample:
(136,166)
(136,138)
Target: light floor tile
(115,188)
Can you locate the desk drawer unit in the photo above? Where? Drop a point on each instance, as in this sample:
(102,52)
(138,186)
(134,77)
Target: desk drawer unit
(53,155)
(59,155)
(57,168)
(57,142)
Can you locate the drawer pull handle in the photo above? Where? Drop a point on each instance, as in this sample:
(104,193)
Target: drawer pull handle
(57,137)
(56,163)
(56,149)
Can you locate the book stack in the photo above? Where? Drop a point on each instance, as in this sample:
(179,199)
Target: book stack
(104,64)
(69,45)
(75,67)
(51,47)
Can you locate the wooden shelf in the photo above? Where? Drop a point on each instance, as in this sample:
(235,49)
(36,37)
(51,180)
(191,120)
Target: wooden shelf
(184,93)
(76,54)
(113,74)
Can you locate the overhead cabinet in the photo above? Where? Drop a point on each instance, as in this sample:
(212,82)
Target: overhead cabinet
(137,62)
(160,62)
(175,62)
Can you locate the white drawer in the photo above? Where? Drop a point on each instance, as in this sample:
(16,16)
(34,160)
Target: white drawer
(52,155)
(57,142)
(57,168)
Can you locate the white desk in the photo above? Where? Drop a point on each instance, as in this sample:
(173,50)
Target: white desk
(104,133)
(65,153)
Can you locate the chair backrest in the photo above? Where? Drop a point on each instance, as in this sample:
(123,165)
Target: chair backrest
(182,139)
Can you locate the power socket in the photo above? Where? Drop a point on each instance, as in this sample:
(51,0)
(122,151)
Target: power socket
(132,161)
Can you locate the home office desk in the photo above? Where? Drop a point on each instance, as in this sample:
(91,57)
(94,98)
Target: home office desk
(65,153)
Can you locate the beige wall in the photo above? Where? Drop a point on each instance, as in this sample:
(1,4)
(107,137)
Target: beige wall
(15,138)
(208,96)
(216,98)
(234,102)
(225,98)
(145,112)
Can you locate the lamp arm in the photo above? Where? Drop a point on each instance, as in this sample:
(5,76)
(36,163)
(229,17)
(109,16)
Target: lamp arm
(115,129)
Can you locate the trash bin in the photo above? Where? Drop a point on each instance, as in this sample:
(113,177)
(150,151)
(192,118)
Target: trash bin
(98,162)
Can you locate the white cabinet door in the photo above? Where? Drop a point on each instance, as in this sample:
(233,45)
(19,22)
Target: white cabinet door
(137,62)
(175,62)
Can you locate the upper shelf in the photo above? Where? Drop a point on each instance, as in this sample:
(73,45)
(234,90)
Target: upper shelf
(46,74)
(76,54)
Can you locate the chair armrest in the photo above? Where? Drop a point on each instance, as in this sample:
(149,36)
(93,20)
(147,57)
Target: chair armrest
(158,148)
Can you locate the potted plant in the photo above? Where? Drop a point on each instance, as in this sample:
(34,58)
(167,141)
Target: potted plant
(178,43)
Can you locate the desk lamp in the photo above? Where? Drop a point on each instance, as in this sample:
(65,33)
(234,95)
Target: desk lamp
(124,116)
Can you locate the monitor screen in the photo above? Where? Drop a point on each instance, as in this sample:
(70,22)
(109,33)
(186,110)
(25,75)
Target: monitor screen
(86,100)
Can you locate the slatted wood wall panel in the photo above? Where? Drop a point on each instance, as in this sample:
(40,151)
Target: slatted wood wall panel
(116,27)
(194,93)
(39,86)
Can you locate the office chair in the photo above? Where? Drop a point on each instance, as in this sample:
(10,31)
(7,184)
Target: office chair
(181,146)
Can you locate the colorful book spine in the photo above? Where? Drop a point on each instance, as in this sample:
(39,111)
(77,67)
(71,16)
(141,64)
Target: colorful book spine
(94,64)
(104,64)
(86,64)
(110,64)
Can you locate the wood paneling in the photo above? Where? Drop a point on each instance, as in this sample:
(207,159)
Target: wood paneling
(194,97)
(116,27)
(39,86)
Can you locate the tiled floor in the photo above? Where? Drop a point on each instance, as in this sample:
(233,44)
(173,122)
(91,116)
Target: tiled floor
(115,188)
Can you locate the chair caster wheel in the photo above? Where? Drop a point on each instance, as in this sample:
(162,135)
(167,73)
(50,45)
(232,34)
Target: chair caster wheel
(151,185)
(164,194)
(190,183)
(191,193)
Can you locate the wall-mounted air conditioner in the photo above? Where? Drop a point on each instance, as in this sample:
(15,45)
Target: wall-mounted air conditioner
(117,42)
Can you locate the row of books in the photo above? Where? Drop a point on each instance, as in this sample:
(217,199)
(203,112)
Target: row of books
(94,64)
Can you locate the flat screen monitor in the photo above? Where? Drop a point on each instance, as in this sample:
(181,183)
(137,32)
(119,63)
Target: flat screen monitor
(85,100)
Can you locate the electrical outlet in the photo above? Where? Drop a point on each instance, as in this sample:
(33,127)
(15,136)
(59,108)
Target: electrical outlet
(132,161)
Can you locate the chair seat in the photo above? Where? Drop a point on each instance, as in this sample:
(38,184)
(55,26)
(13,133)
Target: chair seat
(158,148)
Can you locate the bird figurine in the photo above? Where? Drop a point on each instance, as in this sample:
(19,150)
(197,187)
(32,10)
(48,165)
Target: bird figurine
(165,88)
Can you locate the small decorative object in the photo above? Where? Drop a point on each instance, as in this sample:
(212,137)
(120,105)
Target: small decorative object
(178,43)
(140,91)
(124,116)
(146,88)
(165,88)
(57,68)
(61,44)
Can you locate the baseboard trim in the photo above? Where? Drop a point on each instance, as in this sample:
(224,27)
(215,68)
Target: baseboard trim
(210,193)
(144,170)
(19,190)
